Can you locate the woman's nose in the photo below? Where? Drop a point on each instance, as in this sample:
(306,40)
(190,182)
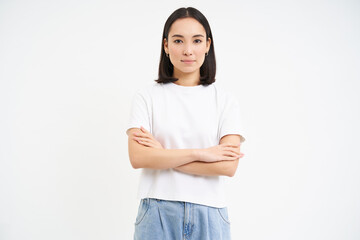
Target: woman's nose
(187,50)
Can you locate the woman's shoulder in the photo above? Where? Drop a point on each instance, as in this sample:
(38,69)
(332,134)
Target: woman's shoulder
(223,92)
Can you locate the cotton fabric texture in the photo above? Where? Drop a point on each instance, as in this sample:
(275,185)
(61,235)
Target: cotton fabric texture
(185,117)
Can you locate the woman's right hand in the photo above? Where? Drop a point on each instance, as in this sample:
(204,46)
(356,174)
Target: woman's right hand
(221,152)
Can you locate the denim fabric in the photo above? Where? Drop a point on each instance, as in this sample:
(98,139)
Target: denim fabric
(173,220)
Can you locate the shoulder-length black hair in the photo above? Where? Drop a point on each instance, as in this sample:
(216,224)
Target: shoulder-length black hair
(166,68)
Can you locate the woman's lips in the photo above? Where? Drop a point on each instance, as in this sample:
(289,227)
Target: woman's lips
(188,61)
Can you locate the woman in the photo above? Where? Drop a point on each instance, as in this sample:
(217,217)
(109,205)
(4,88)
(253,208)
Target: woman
(184,132)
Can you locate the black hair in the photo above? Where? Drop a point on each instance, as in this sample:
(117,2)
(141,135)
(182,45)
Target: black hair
(208,68)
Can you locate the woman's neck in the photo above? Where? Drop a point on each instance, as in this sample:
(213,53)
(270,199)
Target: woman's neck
(187,79)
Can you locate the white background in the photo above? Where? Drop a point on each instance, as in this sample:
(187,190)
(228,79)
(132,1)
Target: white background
(68,72)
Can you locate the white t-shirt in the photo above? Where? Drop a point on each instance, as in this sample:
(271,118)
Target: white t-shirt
(185,117)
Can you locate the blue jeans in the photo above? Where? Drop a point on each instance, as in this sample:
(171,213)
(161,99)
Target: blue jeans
(172,220)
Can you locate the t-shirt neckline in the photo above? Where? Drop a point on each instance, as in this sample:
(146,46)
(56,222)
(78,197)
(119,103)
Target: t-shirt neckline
(181,88)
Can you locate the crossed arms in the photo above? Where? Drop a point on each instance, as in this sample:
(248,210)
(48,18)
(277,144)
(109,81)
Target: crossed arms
(146,152)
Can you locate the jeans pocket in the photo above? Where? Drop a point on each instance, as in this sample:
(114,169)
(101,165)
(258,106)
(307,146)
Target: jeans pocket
(143,209)
(224,214)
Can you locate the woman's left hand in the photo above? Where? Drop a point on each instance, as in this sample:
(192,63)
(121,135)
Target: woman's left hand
(146,138)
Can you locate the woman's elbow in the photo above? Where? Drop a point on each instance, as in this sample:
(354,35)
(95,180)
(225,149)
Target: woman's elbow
(231,168)
(230,172)
(135,163)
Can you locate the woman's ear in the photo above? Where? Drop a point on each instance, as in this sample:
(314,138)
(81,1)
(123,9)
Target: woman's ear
(166,46)
(208,44)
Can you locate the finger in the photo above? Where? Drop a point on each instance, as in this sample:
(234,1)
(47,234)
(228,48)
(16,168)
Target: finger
(138,140)
(142,139)
(229,158)
(231,154)
(141,135)
(239,156)
(237,151)
(149,142)
(142,142)
(144,130)
(231,145)
(151,145)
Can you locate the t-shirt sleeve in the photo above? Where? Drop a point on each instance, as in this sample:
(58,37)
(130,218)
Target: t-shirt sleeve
(230,120)
(139,113)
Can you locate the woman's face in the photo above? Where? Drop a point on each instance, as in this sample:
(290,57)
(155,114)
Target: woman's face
(186,45)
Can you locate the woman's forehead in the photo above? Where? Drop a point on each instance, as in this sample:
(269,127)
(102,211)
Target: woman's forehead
(186,27)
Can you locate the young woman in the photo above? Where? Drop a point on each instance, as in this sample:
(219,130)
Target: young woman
(185,133)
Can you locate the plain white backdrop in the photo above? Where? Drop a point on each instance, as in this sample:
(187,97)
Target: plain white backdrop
(68,72)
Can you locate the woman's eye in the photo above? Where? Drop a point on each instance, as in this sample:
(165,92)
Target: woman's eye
(177,41)
(197,41)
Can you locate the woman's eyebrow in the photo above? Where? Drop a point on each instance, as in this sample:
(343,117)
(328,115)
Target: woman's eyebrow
(181,36)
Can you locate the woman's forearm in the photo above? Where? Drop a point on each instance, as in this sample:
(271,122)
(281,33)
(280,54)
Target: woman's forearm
(156,158)
(221,168)
(146,152)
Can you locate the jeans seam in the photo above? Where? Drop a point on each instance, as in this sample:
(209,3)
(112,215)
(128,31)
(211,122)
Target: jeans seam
(227,221)
(147,202)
